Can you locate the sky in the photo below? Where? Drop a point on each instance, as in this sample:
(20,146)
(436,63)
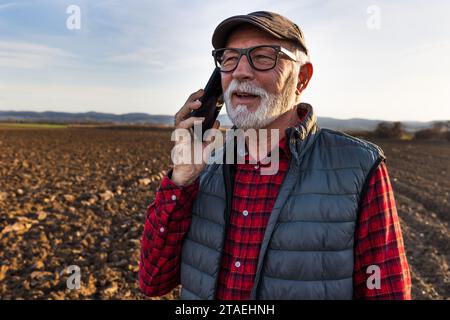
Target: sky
(387,60)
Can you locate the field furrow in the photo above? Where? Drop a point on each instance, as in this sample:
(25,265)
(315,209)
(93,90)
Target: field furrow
(77,196)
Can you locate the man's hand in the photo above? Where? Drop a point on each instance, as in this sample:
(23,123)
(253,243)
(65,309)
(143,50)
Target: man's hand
(184,174)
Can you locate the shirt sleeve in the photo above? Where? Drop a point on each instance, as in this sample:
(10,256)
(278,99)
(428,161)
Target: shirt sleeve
(167,220)
(379,244)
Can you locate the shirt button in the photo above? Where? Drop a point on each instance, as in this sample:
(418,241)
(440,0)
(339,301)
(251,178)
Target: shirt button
(237,264)
(161,229)
(174,197)
(256,167)
(245,213)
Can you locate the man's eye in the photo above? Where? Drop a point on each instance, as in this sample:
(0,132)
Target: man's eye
(262,58)
(229,60)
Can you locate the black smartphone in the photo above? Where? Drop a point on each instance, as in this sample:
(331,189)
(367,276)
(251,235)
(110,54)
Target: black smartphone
(212,101)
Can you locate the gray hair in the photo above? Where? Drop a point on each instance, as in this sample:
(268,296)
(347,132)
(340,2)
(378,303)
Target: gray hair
(302,57)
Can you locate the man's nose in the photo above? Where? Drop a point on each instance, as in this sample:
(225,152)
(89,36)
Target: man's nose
(244,70)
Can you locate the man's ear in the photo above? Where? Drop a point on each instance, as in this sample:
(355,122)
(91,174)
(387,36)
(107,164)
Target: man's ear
(304,75)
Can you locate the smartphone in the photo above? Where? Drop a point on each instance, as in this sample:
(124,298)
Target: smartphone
(212,101)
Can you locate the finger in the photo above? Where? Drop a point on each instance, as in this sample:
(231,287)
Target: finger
(216,124)
(196,95)
(194,104)
(189,122)
(189,107)
(186,110)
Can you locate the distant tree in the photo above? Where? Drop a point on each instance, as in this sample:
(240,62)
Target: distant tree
(439,130)
(441,126)
(391,130)
(425,134)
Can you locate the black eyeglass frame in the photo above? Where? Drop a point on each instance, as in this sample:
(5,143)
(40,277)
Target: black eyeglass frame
(246,51)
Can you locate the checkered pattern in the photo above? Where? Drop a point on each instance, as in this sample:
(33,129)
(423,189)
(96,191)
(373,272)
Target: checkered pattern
(378,239)
(167,220)
(379,242)
(254,196)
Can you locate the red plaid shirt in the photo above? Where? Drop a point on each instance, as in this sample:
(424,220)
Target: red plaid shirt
(378,239)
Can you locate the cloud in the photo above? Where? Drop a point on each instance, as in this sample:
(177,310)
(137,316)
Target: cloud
(7,5)
(25,55)
(78,98)
(161,60)
(152,57)
(149,55)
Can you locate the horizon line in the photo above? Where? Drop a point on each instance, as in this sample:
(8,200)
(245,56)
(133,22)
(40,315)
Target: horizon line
(168,115)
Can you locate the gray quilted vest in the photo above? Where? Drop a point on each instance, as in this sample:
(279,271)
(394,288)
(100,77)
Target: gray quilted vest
(307,251)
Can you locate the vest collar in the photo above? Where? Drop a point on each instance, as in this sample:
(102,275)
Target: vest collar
(302,136)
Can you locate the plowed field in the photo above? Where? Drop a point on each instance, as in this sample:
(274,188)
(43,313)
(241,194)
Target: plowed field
(77,196)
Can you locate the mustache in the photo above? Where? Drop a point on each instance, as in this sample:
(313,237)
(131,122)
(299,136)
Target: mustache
(245,86)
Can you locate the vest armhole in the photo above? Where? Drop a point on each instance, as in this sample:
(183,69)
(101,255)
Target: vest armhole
(367,181)
(363,193)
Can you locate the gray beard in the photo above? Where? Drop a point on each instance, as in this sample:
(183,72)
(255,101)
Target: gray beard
(269,109)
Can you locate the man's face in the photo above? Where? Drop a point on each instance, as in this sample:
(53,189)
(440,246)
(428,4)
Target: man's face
(272,90)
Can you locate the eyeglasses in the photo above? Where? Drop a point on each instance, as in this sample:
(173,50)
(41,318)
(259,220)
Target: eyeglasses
(261,58)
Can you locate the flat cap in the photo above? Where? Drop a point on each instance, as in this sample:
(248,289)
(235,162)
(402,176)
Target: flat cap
(273,23)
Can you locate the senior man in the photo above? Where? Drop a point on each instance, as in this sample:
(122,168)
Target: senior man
(323,226)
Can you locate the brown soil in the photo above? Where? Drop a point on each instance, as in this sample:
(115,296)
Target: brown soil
(420,175)
(77,196)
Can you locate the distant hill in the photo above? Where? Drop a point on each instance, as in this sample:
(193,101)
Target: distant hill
(144,118)
(354,124)
(86,117)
